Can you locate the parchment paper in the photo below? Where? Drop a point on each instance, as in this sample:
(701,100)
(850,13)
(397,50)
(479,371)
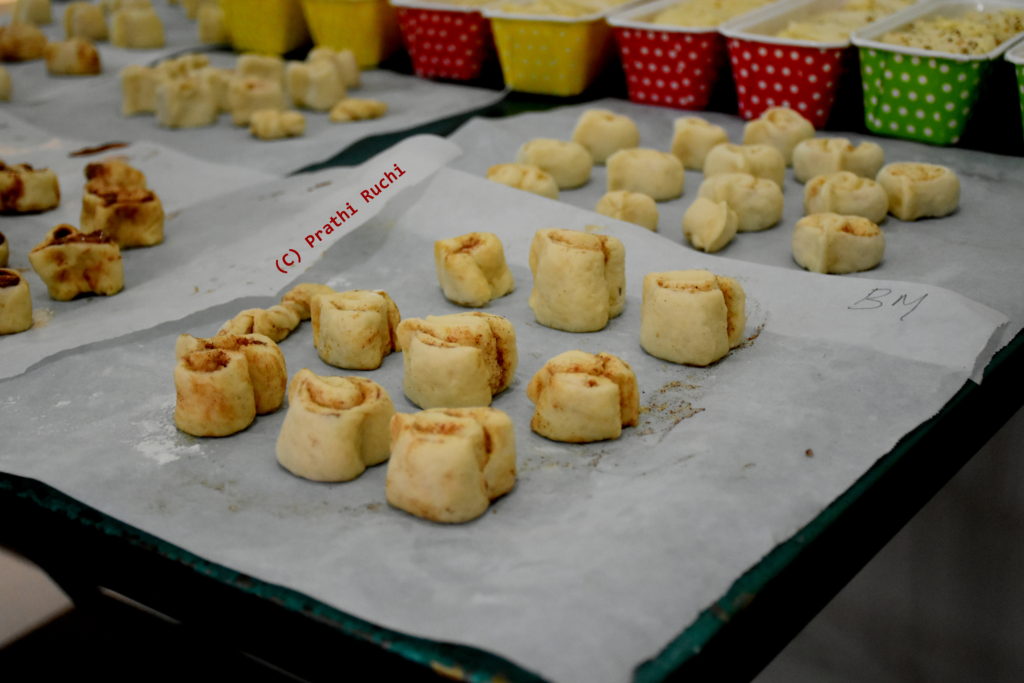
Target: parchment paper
(89,108)
(219,245)
(603,552)
(978,251)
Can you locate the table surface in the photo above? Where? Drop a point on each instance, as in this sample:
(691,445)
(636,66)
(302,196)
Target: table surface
(83,548)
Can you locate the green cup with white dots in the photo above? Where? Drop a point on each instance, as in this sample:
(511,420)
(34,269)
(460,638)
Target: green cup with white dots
(1016,57)
(919,97)
(922,94)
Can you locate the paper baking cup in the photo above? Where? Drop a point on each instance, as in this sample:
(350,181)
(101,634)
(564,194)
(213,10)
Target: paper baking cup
(367,27)
(781,72)
(550,55)
(265,26)
(673,66)
(920,94)
(445,41)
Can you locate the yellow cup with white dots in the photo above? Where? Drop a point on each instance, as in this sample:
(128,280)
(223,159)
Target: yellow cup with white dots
(550,55)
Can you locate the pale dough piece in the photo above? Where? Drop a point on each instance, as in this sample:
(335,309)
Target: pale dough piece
(264,67)
(5,250)
(21,43)
(138,28)
(76,56)
(471,268)
(819,156)
(830,243)
(581,397)
(604,132)
(356,109)
(458,360)
(448,464)
(919,190)
(300,297)
(693,138)
(781,127)
(115,171)
(760,161)
(569,163)
(710,225)
(192,7)
(344,62)
(271,124)
(691,317)
(214,393)
(314,85)
(848,194)
(85,20)
(276,322)
(111,6)
(247,94)
(335,427)
(15,301)
(632,207)
(579,279)
(138,90)
(213,29)
(354,330)
(268,373)
(73,263)
(182,66)
(217,80)
(756,201)
(35,12)
(24,189)
(525,177)
(649,171)
(187,102)
(130,216)
(5,85)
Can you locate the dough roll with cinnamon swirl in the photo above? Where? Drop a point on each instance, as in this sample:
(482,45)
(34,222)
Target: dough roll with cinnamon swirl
(448,464)
(335,428)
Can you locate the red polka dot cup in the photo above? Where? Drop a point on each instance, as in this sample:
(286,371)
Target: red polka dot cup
(667,65)
(771,71)
(445,41)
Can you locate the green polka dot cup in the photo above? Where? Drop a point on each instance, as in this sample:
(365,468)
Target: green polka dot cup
(1016,57)
(919,97)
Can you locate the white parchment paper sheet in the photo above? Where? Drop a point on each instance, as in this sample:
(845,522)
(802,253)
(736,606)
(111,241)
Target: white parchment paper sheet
(89,108)
(978,251)
(603,552)
(219,244)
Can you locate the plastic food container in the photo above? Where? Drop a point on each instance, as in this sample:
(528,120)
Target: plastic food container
(445,41)
(548,54)
(783,72)
(265,26)
(1016,57)
(367,27)
(921,94)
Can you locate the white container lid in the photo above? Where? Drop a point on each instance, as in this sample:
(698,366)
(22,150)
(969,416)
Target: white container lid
(866,36)
(762,24)
(638,17)
(494,13)
(438,6)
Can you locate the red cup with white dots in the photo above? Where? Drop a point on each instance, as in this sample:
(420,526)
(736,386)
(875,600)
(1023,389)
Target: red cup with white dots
(800,73)
(667,65)
(445,41)
(801,77)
